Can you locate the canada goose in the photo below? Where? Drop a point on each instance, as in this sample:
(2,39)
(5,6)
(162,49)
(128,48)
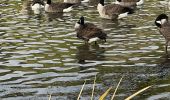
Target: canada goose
(37,6)
(89,32)
(164,28)
(113,11)
(58,7)
(129,3)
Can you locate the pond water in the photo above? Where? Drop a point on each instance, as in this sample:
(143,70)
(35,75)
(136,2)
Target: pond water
(41,55)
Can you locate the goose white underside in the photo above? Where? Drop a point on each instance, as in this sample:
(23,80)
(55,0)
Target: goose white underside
(84,1)
(46,7)
(72,1)
(37,8)
(77,26)
(137,3)
(162,21)
(93,40)
(68,9)
(140,2)
(123,15)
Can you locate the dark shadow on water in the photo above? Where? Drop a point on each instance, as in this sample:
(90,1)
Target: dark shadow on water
(56,16)
(117,24)
(89,52)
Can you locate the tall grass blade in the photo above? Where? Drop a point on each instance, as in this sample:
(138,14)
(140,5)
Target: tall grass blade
(93,88)
(116,88)
(130,97)
(105,94)
(78,98)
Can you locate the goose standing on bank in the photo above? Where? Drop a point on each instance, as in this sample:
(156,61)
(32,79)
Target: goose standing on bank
(113,11)
(164,28)
(89,32)
(129,3)
(37,6)
(58,7)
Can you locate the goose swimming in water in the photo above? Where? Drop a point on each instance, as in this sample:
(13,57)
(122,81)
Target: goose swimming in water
(129,3)
(113,11)
(89,32)
(58,7)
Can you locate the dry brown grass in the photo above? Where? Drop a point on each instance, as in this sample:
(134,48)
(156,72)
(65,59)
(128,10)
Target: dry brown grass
(103,96)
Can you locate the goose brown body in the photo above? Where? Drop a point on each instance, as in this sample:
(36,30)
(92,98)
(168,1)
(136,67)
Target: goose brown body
(164,28)
(87,31)
(57,7)
(165,31)
(113,11)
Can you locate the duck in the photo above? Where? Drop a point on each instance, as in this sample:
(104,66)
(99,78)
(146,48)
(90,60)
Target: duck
(37,6)
(58,7)
(89,32)
(129,3)
(113,11)
(164,28)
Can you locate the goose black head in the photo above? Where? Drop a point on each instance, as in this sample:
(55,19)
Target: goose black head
(48,1)
(119,0)
(81,21)
(38,1)
(102,2)
(161,19)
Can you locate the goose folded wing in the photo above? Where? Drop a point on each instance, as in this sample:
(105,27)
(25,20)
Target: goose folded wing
(94,32)
(63,5)
(114,9)
(165,31)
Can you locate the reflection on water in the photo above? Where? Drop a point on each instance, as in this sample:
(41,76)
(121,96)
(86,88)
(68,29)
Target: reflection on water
(41,55)
(89,53)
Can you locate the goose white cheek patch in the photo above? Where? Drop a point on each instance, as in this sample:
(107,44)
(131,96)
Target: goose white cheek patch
(77,26)
(163,21)
(159,22)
